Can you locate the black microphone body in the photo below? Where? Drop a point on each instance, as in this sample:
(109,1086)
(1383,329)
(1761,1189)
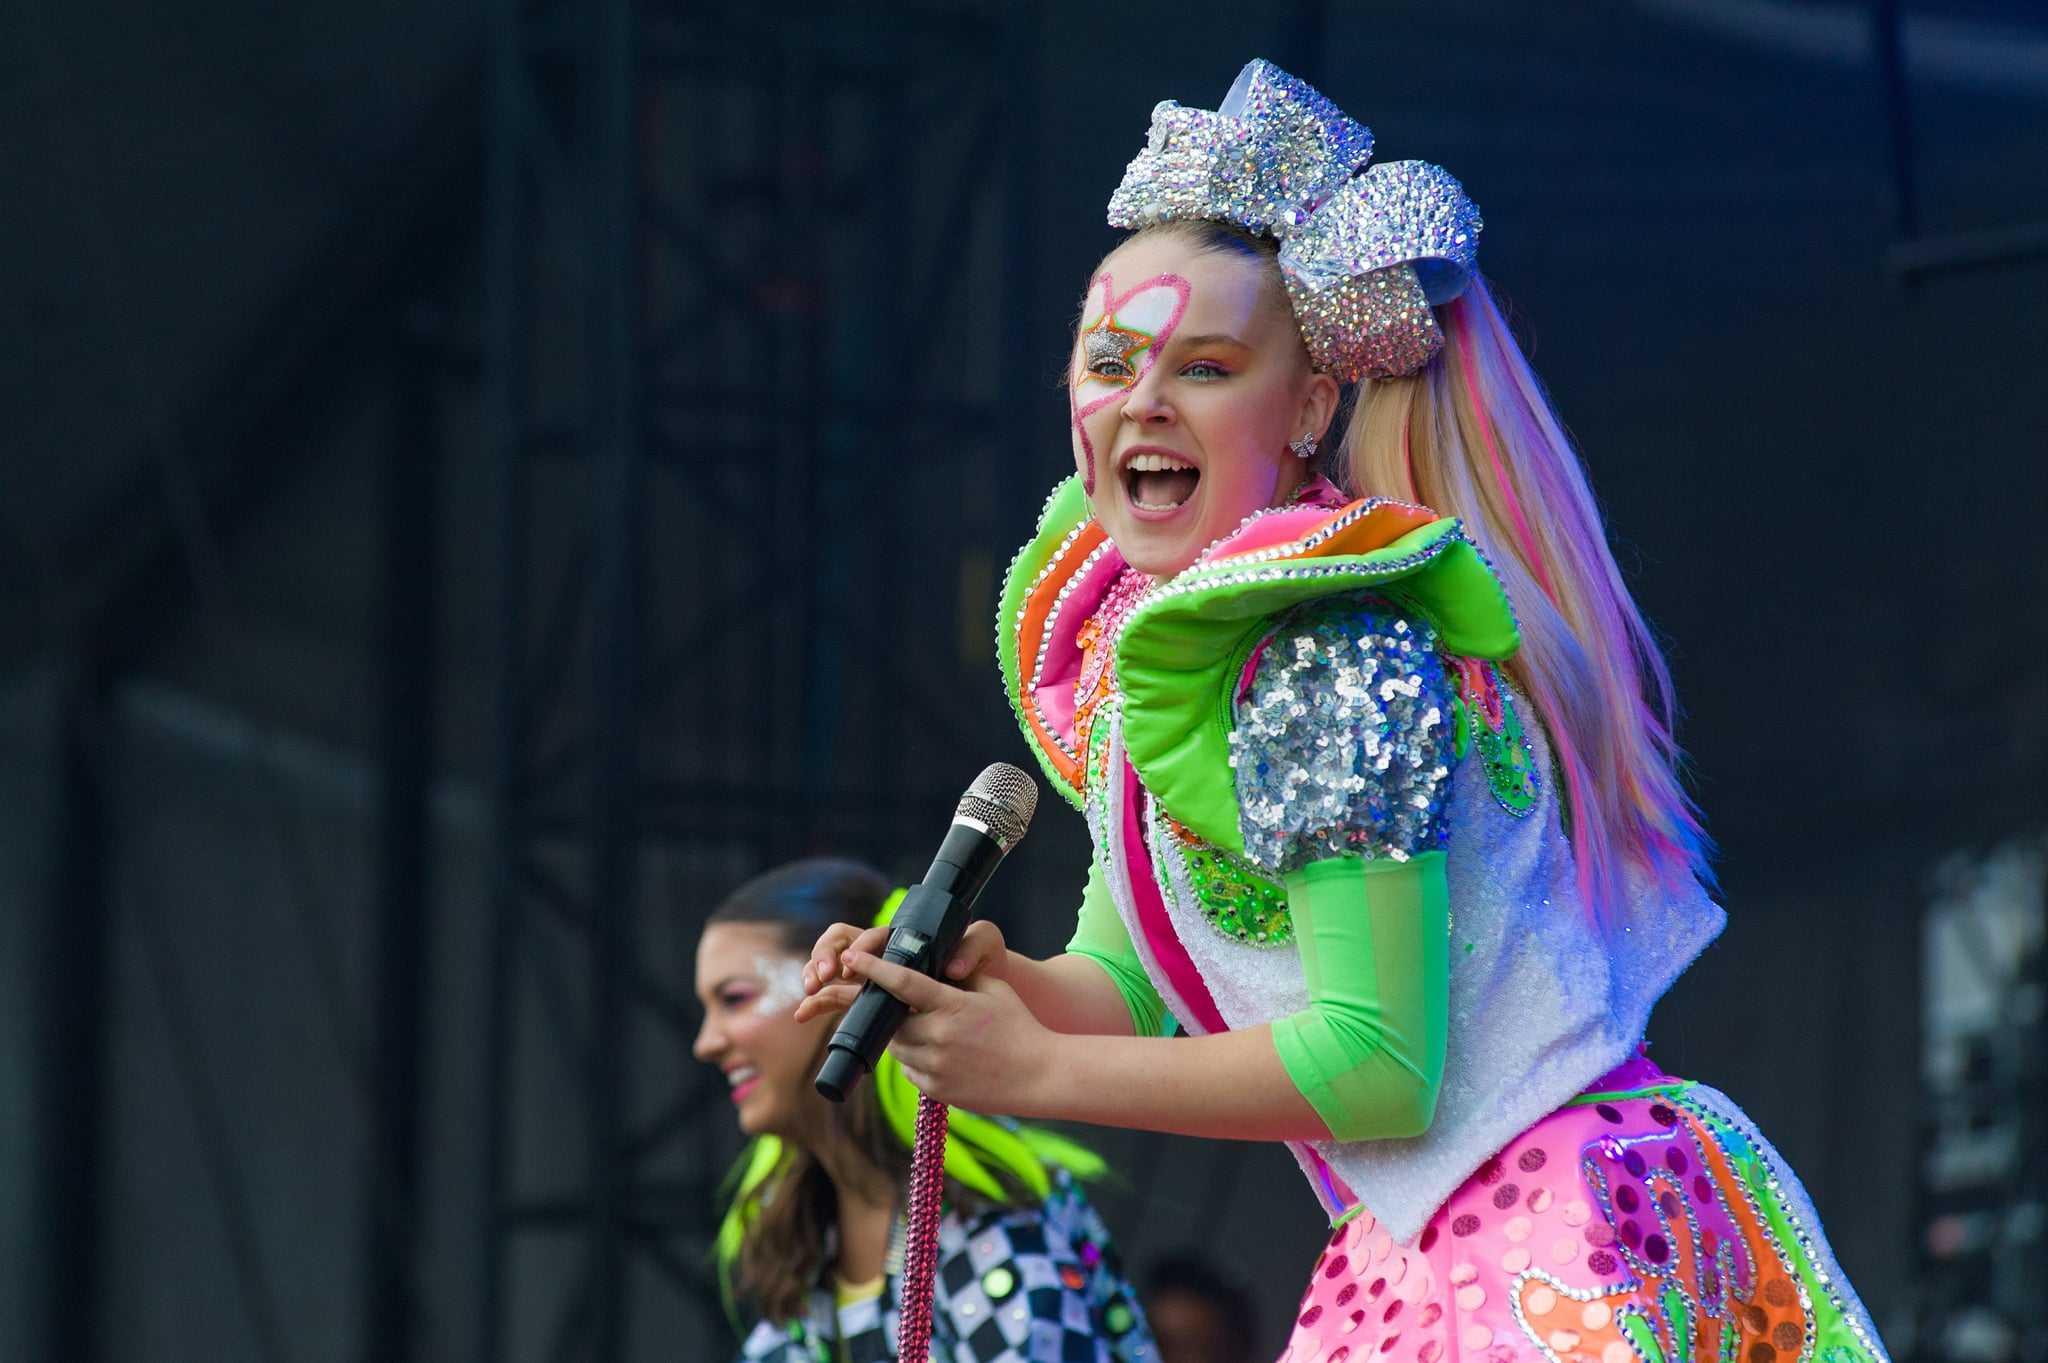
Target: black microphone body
(922,936)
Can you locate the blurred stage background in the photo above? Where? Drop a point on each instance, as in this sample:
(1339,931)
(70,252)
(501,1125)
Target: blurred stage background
(479,481)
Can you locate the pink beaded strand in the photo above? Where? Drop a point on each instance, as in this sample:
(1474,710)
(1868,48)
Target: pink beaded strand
(921,1239)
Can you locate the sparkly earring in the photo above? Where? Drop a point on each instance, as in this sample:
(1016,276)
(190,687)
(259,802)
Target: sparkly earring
(1304,448)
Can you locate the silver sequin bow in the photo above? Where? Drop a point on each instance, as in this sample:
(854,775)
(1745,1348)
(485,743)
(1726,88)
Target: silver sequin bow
(1365,256)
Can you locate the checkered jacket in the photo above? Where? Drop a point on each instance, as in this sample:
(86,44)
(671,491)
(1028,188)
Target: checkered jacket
(1014,1285)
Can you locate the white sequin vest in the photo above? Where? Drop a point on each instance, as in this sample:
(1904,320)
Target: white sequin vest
(1541,1003)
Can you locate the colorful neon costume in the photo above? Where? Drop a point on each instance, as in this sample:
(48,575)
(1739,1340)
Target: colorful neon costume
(1317,804)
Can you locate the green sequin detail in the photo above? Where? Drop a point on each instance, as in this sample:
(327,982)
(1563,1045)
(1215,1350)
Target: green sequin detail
(1510,762)
(1095,759)
(1237,901)
(1095,778)
(1505,752)
(1643,1335)
(1678,1319)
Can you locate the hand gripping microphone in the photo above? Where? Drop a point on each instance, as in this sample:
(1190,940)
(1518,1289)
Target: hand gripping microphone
(991,819)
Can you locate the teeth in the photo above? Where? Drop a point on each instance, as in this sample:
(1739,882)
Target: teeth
(745,1073)
(1156,463)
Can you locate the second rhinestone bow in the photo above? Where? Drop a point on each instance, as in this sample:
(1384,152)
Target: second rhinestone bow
(1365,256)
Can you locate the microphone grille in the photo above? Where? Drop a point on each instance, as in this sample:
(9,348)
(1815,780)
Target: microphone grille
(1003,799)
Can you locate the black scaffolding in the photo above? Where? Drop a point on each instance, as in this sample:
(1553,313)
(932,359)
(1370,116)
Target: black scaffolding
(719,502)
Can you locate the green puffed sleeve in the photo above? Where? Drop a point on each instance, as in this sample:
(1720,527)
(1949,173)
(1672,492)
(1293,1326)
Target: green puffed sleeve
(1374,935)
(1100,935)
(1328,776)
(1342,755)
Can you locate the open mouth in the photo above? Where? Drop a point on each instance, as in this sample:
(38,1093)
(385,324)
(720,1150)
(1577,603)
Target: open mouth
(741,1080)
(1159,482)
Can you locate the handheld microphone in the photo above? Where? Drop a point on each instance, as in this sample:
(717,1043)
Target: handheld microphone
(990,820)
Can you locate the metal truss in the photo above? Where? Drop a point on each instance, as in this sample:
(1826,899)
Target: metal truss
(749,425)
(1983,1188)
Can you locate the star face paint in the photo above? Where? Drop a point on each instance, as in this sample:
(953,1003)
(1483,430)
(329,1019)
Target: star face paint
(1110,353)
(1121,339)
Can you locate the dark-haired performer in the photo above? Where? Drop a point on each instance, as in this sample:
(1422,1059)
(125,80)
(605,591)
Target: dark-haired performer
(813,1242)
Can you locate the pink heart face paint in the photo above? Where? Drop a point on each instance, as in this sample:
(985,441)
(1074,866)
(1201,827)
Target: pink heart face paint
(1120,340)
(1185,389)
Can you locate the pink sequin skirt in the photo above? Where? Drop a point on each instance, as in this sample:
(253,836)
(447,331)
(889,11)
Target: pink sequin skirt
(1646,1222)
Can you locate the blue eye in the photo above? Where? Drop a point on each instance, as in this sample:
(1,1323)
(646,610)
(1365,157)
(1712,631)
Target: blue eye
(1205,371)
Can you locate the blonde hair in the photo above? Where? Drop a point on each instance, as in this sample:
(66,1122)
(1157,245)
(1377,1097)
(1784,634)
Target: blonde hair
(1472,435)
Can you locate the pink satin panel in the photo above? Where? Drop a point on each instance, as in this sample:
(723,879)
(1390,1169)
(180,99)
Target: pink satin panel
(1164,942)
(1312,506)
(1055,686)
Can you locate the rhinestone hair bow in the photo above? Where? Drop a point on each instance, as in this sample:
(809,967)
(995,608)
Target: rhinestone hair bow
(1365,256)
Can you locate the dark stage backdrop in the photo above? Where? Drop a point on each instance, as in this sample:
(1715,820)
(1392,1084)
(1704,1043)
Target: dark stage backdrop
(249,278)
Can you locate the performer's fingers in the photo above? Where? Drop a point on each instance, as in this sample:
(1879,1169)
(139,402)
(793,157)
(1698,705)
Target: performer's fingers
(989,984)
(824,965)
(981,948)
(913,987)
(825,955)
(829,999)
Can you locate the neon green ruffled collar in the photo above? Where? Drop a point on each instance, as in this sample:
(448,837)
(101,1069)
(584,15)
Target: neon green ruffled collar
(1179,660)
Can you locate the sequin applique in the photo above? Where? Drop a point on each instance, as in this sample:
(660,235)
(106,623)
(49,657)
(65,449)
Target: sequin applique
(1342,745)
(1236,900)
(1096,696)
(1644,1226)
(1096,683)
(1486,714)
(1110,352)
(1095,776)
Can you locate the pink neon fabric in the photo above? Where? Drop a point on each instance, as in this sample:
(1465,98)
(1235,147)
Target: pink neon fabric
(1408,461)
(1165,943)
(1449,1296)
(1500,474)
(1311,506)
(921,1234)
(1055,689)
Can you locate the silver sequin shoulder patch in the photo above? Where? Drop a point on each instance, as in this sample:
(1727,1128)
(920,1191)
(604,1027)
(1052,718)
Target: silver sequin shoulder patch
(1343,740)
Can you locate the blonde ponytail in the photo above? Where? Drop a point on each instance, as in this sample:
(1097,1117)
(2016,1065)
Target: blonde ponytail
(1472,435)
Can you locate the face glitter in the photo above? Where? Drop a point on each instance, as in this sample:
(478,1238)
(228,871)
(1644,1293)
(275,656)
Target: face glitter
(1109,353)
(782,981)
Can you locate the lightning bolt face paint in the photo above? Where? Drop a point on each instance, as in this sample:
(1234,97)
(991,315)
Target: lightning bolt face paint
(1120,340)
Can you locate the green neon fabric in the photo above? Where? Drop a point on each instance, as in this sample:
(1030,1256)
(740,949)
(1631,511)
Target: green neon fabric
(1368,1051)
(1178,659)
(1066,508)
(1100,935)
(1671,1090)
